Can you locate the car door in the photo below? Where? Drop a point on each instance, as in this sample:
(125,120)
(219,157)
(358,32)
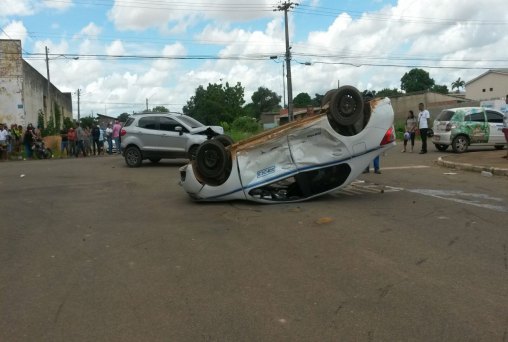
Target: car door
(495,122)
(477,127)
(173,142)
(147,133)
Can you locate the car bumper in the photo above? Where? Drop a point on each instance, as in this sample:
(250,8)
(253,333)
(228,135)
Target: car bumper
(442,138)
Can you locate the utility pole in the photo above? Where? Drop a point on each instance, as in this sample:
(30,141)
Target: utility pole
(285,6)
(147,104)
(283,85)
(79,115)
(50,107)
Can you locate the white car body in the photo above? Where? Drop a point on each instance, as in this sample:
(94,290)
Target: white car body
(298,161)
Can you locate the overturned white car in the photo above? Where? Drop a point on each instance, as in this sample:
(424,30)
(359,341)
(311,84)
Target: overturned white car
(297,161)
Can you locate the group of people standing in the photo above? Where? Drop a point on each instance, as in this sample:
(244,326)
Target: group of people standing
(76,140)
(414,125)
(90,141)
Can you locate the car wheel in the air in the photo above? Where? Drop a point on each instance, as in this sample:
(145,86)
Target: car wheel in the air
(133,157)
(155,160)
(328,96)
(226,140)
(346,106)
(460,144)
(441,147)
(213,162)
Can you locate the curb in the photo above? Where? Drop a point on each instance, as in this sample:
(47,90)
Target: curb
(474,168)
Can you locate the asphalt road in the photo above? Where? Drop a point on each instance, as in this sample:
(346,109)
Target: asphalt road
(91,250)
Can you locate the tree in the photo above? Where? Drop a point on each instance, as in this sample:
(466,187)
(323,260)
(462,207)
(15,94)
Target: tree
(123,117)
(458,84)
(302,100)
(160,109)
(216,103)
(442,89)
(264,100)
(316,101)
(387,92)
(88,121)
(416,80)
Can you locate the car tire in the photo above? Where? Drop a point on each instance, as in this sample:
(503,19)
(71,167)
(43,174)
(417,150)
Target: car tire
(213,162)
(133,157)
(225,140)
(441,147)
(460,144)
(155,160)
(346,106)
(499,147)
(192,153)
(328,96)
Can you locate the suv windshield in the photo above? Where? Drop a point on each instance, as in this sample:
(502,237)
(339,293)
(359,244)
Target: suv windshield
(190,121)
(445,115)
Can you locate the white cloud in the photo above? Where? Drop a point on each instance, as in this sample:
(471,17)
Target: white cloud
(115,49)
(16,7)
(58,5)
(14,30)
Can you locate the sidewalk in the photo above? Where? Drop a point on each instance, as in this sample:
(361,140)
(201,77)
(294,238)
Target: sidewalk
(477,161)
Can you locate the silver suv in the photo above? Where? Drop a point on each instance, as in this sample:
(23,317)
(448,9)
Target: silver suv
(155,136)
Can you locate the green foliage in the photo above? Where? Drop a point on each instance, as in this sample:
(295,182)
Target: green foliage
(264,100)
(442,89)
(225,125)
(88,121)
(458,84)
(416,80)
(123,117)
(68,123)
(160,109)
(316,101)
(387,92)
(302,100)
(245,124)
(58,117)
(216,103)
(50,129)
(40,119)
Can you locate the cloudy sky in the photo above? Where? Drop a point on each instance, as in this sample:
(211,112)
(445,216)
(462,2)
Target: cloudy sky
(162,50)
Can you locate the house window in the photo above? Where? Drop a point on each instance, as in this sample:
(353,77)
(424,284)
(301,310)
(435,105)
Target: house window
(491,89)
(483,90)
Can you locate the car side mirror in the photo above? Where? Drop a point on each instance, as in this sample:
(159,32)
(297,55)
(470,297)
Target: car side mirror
(179,129)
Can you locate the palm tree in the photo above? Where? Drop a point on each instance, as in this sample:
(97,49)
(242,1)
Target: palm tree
(458,84)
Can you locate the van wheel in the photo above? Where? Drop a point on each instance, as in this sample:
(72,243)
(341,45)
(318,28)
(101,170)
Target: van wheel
(133,157)
(346,106)
(499,147)
(460,144)
(213,162)
(441,147)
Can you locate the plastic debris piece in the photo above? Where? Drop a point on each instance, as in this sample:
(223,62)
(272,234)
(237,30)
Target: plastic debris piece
(324,220)
(21,175)
(486,174)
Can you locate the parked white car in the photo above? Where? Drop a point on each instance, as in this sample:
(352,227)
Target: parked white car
(297,161)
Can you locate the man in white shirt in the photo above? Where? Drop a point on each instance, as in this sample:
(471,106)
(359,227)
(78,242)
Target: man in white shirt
(4,135)
(423,126)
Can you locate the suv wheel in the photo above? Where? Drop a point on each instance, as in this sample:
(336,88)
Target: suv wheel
(460,144)
(133,157)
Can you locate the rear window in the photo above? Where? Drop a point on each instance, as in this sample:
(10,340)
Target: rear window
(129,122)
(445,115)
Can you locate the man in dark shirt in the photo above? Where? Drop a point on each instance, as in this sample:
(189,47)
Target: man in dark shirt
(96,132)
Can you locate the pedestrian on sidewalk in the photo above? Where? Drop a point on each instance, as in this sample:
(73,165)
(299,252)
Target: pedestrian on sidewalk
(423,126)
(410,130)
